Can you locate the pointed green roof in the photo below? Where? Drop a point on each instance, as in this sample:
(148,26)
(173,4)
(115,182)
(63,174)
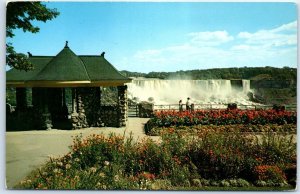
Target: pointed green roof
(65,66)
(66,69)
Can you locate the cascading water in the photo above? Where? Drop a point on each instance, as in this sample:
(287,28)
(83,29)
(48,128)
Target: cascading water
(200,91)
(246,86)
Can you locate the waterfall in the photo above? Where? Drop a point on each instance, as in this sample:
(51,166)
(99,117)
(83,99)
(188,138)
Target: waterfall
(200,91)
(246,86)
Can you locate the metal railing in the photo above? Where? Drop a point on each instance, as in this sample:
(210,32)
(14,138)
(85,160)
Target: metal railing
(290,107)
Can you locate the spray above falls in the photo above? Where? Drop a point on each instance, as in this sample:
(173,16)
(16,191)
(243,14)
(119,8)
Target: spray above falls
(200,91)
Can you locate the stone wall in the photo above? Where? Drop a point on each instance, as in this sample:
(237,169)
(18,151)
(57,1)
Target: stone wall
(110,116)
(146,109)
(90,113)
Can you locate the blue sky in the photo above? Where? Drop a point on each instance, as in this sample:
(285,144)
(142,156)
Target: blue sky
(163,36)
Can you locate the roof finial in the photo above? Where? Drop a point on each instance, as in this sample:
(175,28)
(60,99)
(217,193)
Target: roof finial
(66,46)
(102,54)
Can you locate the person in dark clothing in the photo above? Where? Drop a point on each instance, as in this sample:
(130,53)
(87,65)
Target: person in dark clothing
(188,104)
(180,106)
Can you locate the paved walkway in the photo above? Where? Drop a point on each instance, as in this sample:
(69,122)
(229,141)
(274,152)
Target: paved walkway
(28,150)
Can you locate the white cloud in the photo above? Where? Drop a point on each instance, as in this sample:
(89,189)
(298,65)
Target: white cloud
(274,47)
(210,38)
(241,47)
(287,27)
(284,35)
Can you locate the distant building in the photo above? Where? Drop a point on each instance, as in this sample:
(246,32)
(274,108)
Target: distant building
(77,76)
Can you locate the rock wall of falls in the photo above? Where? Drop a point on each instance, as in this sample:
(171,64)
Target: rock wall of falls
(200,91)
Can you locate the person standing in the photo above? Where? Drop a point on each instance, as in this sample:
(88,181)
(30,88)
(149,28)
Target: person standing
(188,104)
(180,106)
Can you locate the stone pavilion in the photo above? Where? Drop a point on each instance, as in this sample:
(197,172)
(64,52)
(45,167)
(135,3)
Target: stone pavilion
(66,93)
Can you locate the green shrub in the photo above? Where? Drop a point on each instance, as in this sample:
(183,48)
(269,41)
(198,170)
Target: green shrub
(242,183)
(196,183)
(233,182)
(225,183)
(205,182)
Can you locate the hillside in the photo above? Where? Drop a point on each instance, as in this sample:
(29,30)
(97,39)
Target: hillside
(285,73)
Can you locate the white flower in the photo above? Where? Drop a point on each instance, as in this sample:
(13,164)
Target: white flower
(106,163)
(59,163)
(116,178)
(23,182)
(68,166)
(93,169)
(56,170)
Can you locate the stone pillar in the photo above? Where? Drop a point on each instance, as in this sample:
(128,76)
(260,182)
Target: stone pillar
(21,98)
(78,117)
(81,110)
(90,99)
(123,105)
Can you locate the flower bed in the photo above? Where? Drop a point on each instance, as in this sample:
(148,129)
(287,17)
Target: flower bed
(209,159)
(245,128)
(221,117)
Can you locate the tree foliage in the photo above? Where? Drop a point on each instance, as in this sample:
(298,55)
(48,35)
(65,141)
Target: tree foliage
(20,15)
(285,73)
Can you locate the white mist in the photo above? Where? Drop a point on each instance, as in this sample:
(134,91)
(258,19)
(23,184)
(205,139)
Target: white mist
(200,91)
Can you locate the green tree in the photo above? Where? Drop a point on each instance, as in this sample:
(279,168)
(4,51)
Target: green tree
(20,15)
